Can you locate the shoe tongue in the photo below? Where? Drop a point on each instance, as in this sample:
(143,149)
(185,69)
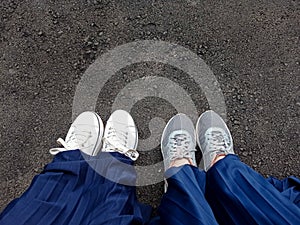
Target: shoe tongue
(115,144)
(73,146)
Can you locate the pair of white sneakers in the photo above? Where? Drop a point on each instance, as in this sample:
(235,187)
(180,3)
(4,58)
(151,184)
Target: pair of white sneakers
(178,139)
(88,135)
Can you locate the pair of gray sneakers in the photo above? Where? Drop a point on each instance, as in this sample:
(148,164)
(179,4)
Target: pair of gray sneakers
(179,139)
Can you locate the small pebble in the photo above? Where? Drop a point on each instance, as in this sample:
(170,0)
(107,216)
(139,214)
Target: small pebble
(236,122)
(245,154)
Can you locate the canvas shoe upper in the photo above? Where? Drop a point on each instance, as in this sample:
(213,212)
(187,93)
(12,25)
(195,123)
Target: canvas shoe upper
(84,134)
(121,135)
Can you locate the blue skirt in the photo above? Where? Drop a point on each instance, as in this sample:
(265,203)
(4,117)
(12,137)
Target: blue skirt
(69,191)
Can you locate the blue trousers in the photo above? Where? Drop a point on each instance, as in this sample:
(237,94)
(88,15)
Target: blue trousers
(229,193)
(69,191)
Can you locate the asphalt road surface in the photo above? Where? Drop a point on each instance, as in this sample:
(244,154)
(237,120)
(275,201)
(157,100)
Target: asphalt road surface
(251,46)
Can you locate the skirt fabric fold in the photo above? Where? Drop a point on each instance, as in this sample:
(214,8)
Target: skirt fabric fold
(184,201)
(239,195)
(78,189)
(70,191)
(229,193)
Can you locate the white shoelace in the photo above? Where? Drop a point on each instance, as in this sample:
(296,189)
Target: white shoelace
(117,142)
(77,140)
(217,142)
(180,147)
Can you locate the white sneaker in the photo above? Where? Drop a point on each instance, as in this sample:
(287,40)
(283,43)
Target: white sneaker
(84,134)
(121,135)
(213,137)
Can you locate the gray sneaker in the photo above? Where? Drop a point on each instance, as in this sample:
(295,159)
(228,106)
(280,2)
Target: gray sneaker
(213,137)
(178,140)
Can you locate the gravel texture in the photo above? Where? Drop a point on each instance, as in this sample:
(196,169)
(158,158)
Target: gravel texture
(251,46)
